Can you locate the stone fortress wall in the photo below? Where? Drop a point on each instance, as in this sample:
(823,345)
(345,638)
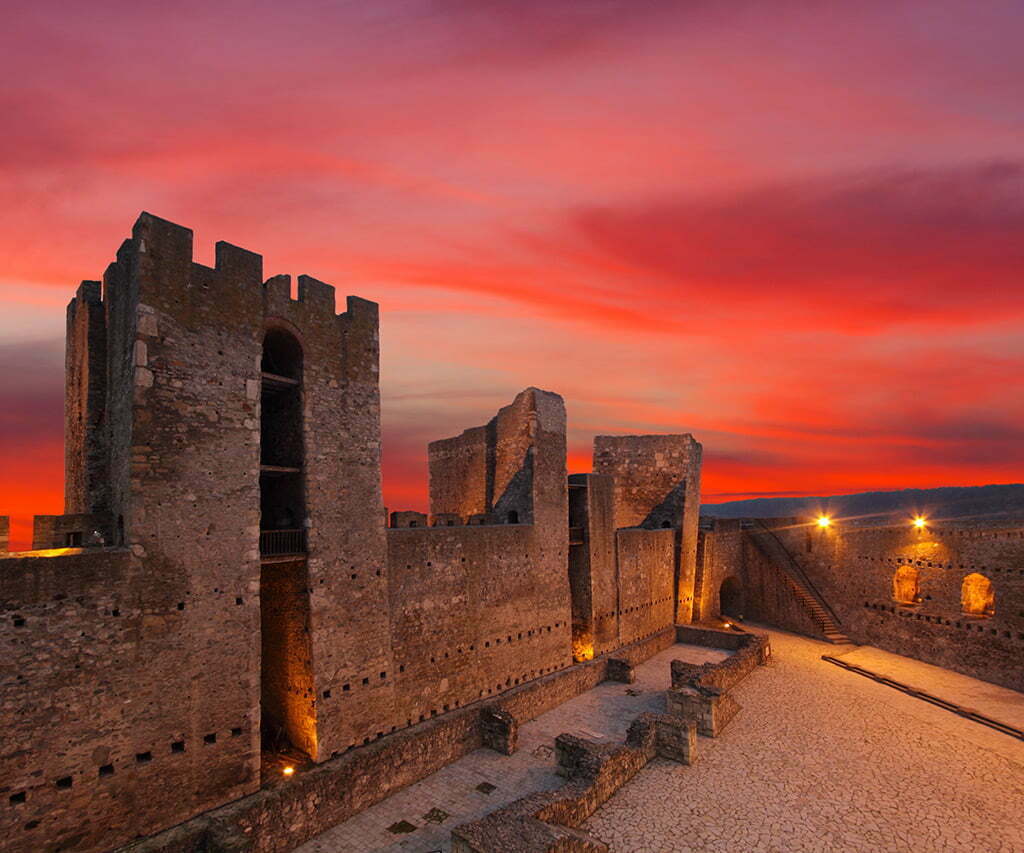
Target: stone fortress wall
(222,592)
(889,583)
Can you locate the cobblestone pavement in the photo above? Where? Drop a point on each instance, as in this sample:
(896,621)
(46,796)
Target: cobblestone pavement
(821,759)
(433,806)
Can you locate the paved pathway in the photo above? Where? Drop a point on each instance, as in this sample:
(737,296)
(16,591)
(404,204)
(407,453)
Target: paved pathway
(997,702)
(433,806)
(821,759)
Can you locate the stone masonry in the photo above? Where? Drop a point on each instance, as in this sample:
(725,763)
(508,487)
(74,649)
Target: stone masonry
(223,595)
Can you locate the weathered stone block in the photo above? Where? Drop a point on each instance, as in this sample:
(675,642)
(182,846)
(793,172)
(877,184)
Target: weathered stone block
(499,730)
(621,670)
(710,711)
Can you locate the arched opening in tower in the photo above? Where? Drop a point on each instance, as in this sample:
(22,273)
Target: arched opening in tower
(287,694)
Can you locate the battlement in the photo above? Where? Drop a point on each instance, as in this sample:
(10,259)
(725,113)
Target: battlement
(167,248)
(88,292)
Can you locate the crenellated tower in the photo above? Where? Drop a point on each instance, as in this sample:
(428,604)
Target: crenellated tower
(223,446)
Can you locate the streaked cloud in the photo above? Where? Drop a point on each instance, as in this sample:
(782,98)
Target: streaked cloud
(796,230)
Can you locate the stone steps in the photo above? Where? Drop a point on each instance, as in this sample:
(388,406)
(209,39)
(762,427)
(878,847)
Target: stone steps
(823,618)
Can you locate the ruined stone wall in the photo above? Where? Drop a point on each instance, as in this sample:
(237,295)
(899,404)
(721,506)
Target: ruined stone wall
(657,485)
(513,437)
(459,473)
(853,567)
(476,610)
(490,470)
(654,475)
(645,582)
(85,390)
(105,737)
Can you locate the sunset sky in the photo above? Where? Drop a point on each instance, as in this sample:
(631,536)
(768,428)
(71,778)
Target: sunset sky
(793,229)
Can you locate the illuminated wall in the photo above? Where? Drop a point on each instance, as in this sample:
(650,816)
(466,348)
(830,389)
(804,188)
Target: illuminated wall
(865,573)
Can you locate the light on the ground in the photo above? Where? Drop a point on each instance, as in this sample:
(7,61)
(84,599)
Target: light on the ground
(288,771)
(824,521)
(920,522)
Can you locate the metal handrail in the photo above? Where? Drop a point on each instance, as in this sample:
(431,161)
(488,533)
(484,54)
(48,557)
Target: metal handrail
(792,566)
(279,543)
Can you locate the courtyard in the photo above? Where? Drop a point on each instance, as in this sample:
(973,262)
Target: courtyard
(819,759)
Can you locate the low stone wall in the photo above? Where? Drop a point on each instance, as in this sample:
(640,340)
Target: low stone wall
(280,817)
(700,692)
(547,821)
(717,638)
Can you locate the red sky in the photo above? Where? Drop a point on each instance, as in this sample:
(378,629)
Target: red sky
(794,229)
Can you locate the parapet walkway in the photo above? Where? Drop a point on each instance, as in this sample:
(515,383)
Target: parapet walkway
(419,819)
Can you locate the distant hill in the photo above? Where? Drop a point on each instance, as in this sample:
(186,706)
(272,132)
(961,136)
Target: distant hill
(965,503)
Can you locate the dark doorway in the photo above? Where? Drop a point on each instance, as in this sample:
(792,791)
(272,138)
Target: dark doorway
(287,700)
(287,707)
(730,598)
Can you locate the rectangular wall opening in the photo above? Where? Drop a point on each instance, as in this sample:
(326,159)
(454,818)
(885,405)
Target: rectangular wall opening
(287,707)
(580,586)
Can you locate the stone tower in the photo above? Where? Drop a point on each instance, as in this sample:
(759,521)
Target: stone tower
(228,437)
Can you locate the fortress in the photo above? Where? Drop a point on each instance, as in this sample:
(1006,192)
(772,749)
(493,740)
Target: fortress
(226,595)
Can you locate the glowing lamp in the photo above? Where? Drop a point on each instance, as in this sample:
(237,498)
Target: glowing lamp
(824,521)
(288,771)
(920,522)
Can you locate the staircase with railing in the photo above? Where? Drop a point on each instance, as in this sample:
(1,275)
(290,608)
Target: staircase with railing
(801,586)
